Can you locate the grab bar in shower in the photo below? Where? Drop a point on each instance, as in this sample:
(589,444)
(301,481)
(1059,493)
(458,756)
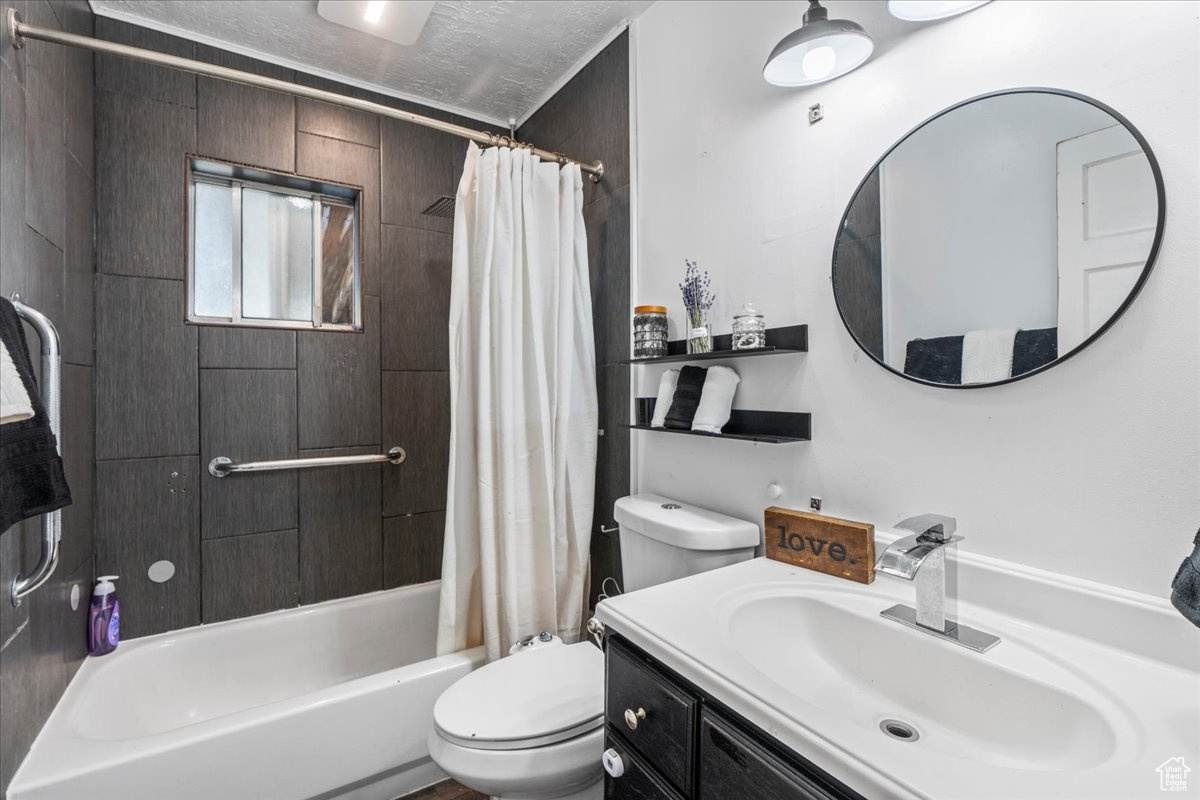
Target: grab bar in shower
(221,466)
(51,392)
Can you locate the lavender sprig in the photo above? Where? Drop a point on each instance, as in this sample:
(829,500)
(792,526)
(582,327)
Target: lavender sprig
(696,296)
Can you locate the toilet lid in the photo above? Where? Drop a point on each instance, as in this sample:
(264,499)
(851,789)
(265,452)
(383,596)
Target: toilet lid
(525,700)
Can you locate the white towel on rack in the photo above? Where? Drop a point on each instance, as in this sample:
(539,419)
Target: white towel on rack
(666,393)
(987,355)
(716,400)
(14,399)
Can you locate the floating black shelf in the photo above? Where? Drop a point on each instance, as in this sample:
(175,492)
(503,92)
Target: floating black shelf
(768,427)
(790,339)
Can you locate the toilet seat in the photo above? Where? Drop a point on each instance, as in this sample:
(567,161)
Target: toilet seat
(525,701)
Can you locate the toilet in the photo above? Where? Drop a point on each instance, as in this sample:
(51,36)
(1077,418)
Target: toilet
(531,726)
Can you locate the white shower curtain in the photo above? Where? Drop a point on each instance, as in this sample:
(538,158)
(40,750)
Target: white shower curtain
(522,403)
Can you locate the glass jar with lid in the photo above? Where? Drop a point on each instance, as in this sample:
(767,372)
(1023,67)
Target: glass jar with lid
(749,329)
(649,331)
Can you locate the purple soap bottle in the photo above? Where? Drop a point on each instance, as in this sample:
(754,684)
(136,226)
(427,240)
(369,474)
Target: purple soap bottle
(104,617)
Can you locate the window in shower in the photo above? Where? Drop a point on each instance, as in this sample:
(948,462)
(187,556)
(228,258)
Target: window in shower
(271,250)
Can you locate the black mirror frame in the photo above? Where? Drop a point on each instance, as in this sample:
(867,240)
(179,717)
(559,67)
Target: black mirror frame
(1133,293)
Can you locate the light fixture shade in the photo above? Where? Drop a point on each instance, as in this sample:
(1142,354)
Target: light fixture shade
(394,20)
(929,10)
(821,50)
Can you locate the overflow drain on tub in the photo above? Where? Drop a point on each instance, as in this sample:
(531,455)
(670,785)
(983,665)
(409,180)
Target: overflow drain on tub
(901,731)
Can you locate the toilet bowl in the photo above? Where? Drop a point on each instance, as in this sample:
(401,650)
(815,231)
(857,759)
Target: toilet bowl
(527,727)
(531,726)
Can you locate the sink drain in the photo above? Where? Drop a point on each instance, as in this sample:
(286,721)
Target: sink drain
(901,731)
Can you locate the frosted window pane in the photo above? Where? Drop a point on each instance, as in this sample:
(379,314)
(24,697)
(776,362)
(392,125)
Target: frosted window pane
(276,256)
(337,264)
(213,259)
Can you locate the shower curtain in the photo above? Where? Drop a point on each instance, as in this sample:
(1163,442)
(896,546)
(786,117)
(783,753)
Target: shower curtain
(522,403)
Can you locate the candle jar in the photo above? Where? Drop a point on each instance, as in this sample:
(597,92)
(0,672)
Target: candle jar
(649,331)
(749,329)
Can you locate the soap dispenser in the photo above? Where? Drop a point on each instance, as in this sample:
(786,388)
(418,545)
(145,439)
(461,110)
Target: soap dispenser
(104,617)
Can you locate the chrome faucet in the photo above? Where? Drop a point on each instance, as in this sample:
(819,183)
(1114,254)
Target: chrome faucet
(921,558)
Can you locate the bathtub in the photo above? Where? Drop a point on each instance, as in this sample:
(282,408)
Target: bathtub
(333,700)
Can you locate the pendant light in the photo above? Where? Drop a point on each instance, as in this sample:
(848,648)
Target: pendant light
(821,50)
(929,10)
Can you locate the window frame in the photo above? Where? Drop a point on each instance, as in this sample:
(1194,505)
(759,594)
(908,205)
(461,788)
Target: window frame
(320,192)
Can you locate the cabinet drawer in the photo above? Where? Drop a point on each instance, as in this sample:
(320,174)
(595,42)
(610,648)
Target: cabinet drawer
(638,782)
(667,714)
(731,765)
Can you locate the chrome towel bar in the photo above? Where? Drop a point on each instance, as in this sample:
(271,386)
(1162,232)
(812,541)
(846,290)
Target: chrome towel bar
(221,466)
(51,392)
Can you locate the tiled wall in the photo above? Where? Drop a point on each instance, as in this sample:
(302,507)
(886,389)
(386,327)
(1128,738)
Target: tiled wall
(46,195)
(589,119)
(170,397)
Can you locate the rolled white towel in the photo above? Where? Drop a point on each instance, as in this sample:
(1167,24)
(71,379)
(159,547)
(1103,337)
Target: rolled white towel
(666,393)
(987,355)
(14,399)
(716,400)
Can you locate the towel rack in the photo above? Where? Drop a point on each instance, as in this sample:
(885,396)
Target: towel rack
(221,466)
(51,392)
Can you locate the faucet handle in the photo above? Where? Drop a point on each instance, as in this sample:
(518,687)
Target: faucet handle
(932,527)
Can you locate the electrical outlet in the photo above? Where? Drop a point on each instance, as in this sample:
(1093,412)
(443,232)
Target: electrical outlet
(814,503)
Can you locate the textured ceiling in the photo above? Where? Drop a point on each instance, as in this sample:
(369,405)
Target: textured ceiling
(492,59)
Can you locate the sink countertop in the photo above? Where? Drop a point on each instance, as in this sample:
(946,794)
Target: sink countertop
(805,657)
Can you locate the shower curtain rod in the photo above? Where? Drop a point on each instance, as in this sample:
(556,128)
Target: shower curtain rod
(19,31)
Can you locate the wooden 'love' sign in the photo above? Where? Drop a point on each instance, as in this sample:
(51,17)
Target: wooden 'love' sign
(834,546)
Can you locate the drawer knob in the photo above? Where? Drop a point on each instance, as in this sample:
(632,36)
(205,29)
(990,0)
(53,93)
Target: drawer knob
(633,717)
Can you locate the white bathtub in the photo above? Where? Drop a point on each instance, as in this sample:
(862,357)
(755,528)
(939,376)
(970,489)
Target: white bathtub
(326,701)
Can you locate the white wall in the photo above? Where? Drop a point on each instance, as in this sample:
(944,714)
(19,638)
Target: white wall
(1092,468)
(970,218)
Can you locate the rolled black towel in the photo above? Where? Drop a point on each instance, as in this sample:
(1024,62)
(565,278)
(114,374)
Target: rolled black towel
(32,480)
(686,399)
(1185,589)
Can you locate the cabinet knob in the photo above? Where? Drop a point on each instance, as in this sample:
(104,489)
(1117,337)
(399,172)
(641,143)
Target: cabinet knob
(632,717)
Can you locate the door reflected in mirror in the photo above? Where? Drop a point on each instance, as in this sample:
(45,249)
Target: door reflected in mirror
(998,238)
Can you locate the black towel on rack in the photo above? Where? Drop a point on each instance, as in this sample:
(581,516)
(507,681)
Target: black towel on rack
(687,398)
(31,472)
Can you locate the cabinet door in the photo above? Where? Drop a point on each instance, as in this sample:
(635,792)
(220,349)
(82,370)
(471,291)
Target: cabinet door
(662,713)
(637,782)
(732,765)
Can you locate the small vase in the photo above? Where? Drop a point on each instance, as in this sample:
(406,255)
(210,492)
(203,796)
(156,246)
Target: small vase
(699,337)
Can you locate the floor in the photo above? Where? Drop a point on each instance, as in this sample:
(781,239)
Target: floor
(446,790)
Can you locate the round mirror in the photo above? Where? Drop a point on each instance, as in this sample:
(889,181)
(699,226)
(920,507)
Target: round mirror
(998,238)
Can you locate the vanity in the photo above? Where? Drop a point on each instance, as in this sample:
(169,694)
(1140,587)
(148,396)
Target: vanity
(694,747)
(764,680)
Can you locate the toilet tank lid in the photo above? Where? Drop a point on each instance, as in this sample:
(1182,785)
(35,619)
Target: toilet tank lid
(681,525)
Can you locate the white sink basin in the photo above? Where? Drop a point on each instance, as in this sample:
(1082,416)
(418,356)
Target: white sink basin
(833,650)
(1089,691)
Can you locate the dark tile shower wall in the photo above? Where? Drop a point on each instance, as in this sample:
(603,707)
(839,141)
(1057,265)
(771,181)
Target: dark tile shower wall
(46,254)
(589,118)
(170,397)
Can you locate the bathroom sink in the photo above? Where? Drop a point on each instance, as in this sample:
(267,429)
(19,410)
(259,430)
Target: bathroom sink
(1016,707)
(1089,691)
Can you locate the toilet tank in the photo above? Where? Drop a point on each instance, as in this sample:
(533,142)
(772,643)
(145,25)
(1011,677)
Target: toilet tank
(664,539)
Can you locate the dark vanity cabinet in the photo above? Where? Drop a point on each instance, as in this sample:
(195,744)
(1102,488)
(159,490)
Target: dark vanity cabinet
(676,743)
